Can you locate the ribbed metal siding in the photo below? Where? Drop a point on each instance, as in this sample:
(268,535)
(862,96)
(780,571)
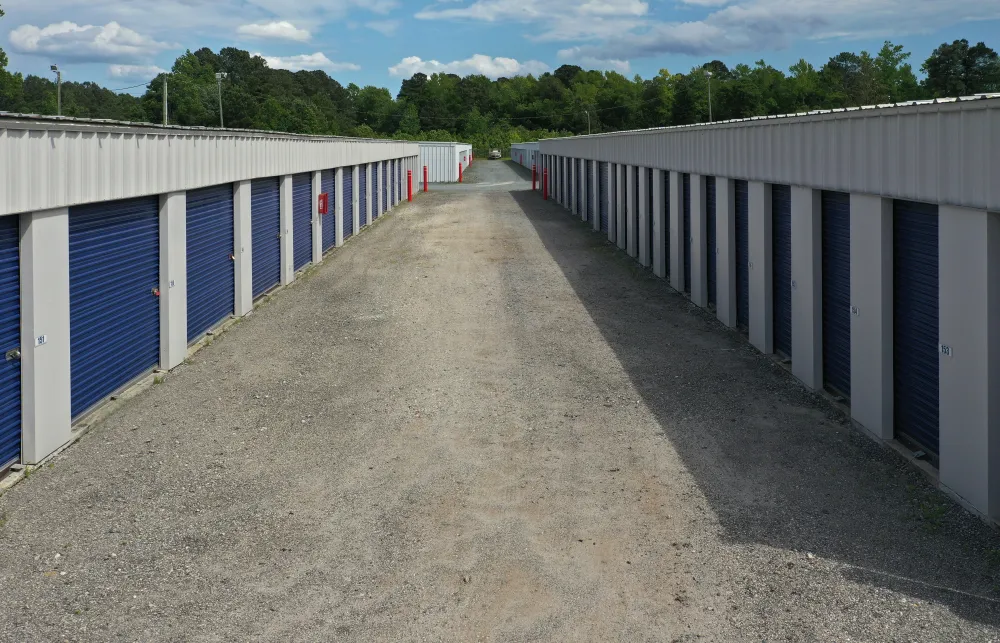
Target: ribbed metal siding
(711,239)
(302,219)
(603,197)
(836,281)
(742,202)
(686,210)
(915,322)
(114,313)
(10,339)
(211,282)
(328,183)
(363,191)
(781,274)
(666,223)
(265,232)
(348,201)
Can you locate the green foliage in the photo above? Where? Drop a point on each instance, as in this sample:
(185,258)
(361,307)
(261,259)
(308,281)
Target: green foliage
(496,113)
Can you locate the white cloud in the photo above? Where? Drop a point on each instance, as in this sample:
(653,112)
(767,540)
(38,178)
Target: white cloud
(279,29)
(615,31)
(70,42)
(573,55)
(301,62)
(135,72)
(384,27)
(477,64)
(558,19)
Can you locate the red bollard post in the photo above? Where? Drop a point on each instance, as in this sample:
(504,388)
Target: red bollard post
(545,184)
(409,185)
(459,172)
(425,178)
(534,178)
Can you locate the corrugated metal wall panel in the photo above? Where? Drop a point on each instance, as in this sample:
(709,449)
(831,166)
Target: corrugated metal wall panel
(265,232)
(10,339)
(836,284)
(442,161)
(211,279)
(328,180)
(916,322)
(47,165)
(114,271)
(302,230)
(904,152)
(711,243)
(781,275)
(742,205)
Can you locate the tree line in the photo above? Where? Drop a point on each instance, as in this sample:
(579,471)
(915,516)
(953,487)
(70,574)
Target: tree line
(495,113)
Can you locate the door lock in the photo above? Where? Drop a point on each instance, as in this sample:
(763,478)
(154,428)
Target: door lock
(13,355)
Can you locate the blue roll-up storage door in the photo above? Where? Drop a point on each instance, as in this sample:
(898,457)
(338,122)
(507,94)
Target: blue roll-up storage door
(915,323)
(650,214)
(395,182)
(114,312)
(385,186)
(302,219)
(581,195)
(211,282)
(781,274)
(836,281)
(741,197)
(711,239)
(265,232)
(686,211)
(10,339)
(666,222)
(328,181)
(363,191)
(376,206)
(603,197)
(348,201)
(591,206)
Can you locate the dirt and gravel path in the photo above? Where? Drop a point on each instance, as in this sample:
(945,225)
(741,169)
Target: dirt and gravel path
(478,421)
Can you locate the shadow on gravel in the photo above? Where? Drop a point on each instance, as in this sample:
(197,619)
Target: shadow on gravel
(779,466)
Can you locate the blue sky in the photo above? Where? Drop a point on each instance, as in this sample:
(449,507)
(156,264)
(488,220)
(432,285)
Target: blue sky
(379,42)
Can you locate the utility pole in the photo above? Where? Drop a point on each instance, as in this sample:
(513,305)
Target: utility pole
(587,112)
(708,75)
(55,70)
(218,79)
(165,100)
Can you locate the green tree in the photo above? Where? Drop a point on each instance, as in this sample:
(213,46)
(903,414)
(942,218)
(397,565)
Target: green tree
(957,69)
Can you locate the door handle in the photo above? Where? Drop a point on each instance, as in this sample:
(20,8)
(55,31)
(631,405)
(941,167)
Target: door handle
(13,355)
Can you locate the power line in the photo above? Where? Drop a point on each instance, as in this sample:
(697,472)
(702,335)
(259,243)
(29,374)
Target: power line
(145,84)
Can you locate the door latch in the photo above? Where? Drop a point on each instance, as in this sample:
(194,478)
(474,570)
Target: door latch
(13,355)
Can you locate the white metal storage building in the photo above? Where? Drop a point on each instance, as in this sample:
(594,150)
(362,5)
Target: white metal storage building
(863,245)
(442,161)
(121,244)
(524,153)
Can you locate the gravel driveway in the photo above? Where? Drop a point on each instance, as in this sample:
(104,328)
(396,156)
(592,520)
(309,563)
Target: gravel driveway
(479,421)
